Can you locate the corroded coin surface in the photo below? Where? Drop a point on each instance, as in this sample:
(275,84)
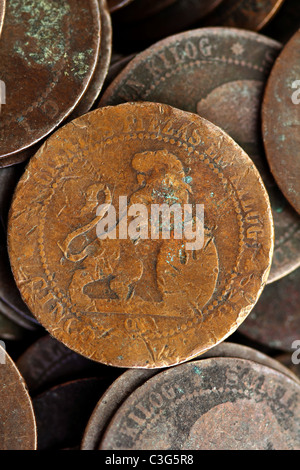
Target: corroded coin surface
(140,300)
(224,72)
(214,404)
(52,67)
(281,121)
(245,14)
(17,422)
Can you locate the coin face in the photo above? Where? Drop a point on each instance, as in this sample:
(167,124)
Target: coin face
(224,72)
(214,404)
(275,321)
(281,121)
(53,67)
(135,300)
(245,14)
(17,422)
(2,13)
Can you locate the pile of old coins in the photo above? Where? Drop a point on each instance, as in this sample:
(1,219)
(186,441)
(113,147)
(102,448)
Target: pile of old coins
(150,225)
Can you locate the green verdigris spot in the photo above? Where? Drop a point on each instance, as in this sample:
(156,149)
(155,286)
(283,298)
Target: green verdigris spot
(46,43)
(81,63)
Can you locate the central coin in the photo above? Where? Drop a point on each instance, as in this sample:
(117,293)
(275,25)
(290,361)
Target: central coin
(94,271)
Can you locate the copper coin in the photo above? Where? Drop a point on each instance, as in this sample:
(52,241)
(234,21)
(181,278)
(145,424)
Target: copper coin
(245,14)
(275,321)
(123,308)
(2,13)
(17,422)
(102,67)
(47,363)
(224,72)
(116,68)
(115,5)
(128,382)
(281,121)
(287,361)
(214,404)
(52,67)
(63,411)
(285,25)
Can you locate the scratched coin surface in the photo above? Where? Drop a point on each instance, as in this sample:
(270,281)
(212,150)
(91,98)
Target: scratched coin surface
(245,14)
(214,404)
(281,121)
(224,72)
(50,49)
(275,321)
(135,301)
(2,13)
(17,422)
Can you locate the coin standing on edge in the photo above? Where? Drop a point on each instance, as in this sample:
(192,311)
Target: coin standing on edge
(17,421)
(214,404)
(116,301)
(281,121)
(47,74)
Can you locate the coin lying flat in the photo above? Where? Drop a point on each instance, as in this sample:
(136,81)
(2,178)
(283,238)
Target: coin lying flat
(17,422)
(116,300)
(245,14)
(275,320)
(281,121)
(214,404)
(130,380)
(53,67)
(2,13)
(224,72)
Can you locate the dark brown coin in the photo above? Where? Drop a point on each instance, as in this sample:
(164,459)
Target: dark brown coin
(224,72)
(102,67)
(291,361)
(52,67)
(285,25)
(10,330)
(128,382)
(154,302)
(281,121)
(115,5)
(63,411)
(2,13)
(245,14)
(116,68)
(214,404)
(47,363)
(275,321)
(17,422)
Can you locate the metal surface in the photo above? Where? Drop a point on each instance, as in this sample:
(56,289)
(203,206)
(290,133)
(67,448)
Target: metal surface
(52,68)
(115,5)
(214,404)
(281,121)
(2,13)
(116,301)
(17,422)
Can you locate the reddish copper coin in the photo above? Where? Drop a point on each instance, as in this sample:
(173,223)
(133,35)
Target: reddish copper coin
(96,84)
(214,404)
(275,321)
(17,422)
(2,13)
(115,5)
(52,67)
(154,304)
(245,14)
(281,121)
(225,72)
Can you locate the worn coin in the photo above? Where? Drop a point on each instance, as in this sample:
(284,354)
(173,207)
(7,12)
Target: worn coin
(52,67)
(245,14)
(281,121)
(17,422)
(63,411)
(214,404)
(224,72)
(116,300)
(102,67)
(275,320)
(128,382)
(47,363)
(2,13)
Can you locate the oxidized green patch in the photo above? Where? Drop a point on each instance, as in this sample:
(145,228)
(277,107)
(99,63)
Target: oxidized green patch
(81,63)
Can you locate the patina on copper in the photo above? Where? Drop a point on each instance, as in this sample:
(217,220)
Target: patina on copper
(281,121)
(47,73)
(275,320)
(128,382)
(224,72)
(2,13)
(151,303)
(244,14)
(17,422)
(47,363)
(213,404)
(115,5)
